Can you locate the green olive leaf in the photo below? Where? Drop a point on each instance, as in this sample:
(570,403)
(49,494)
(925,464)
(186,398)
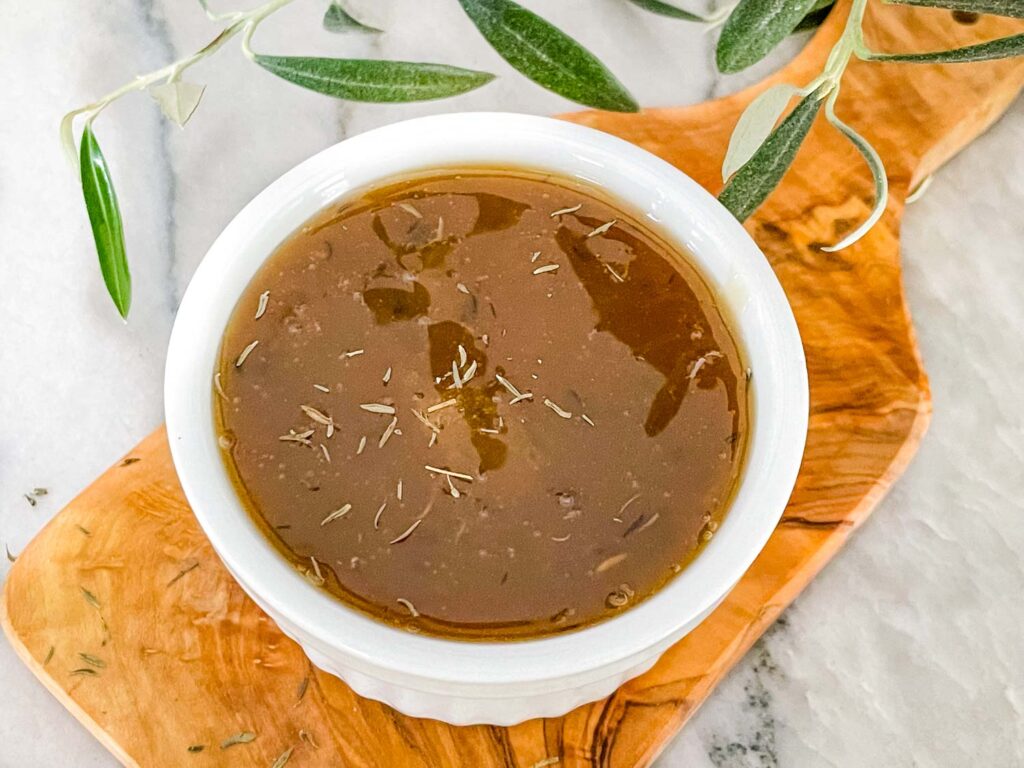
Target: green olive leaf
(67,138)
(177,100)
(874,162)
(105,218)
(370,80)
(752,183)
(547,55)
(754,28)
(816,16)
(664,9)
(337,19)
(1001,48)
(1012,8)
(754,125)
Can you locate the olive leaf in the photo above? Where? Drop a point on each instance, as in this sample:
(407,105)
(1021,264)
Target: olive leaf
(752,183)
(67,138)
(874,162)
(1014,8)
(816,16)
(105,218)
(547,55)
(1001,48)
(664,9)
(754,28)
(337,19)
(378,81)
(754,125)
(177,100)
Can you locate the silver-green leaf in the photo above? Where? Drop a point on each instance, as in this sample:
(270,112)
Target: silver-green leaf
(1001,48)
(67,138)
(754,125)
(337,19)
(665,9)
(177,100)
(816,16)
(105,219)
(1012,8)
(754,28)
(377,81)
(874,162)
(752,183)
(547,55)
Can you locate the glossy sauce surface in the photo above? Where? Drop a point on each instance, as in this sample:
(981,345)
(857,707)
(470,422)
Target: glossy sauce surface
(483,404)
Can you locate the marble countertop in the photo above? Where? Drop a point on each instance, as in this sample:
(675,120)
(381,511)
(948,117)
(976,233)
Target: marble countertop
(906,651)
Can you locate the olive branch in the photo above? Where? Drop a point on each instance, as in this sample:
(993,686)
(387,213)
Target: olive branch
(762,147)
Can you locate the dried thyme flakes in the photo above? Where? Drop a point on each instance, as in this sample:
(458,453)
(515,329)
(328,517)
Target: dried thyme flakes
(261,308)
(340,512)
(407,533)
(562,212)
(300,692)
(84,672)
(10,558)
(49,655)
(244,737)
(196,748)
(602,229)
(408,606)
(283,758)
(557,409)
(246,352)
(378,407)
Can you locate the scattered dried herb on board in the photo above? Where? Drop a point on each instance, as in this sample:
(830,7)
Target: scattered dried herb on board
(90,598)
(182,572)
(244,737)
(283,758)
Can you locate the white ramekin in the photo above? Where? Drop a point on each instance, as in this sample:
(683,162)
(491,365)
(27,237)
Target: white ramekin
(499,683)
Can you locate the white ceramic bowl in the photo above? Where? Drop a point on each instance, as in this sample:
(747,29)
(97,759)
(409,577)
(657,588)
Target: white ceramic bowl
(469,682)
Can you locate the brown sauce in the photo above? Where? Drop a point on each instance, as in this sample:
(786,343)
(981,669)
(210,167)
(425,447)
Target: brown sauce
(571,370)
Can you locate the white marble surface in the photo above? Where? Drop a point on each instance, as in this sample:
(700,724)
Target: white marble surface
(906,651)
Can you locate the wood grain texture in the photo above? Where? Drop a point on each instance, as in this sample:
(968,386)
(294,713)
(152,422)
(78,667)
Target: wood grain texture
(190,660)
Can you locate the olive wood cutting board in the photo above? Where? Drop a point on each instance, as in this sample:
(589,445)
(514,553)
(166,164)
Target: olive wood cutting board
(190,660)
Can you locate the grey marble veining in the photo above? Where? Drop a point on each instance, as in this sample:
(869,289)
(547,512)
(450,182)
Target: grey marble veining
(906,651)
